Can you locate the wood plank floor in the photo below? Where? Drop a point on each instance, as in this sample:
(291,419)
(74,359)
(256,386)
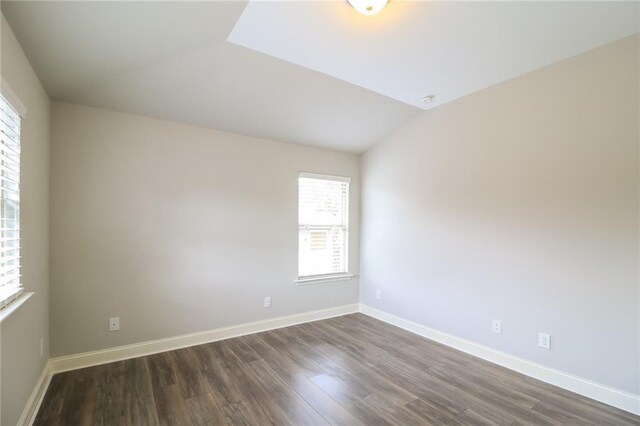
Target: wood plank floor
(348,370)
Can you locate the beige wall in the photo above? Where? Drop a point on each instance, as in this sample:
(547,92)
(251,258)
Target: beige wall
(21,363)
(519,203)
(176,229)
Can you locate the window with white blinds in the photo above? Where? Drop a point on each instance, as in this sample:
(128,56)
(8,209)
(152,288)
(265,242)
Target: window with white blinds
(10,285)
(323,225)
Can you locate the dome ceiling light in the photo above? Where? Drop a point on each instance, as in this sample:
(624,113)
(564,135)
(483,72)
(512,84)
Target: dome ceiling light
(368,7)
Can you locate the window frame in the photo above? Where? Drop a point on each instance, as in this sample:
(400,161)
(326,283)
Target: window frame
(338,276)
(10,301)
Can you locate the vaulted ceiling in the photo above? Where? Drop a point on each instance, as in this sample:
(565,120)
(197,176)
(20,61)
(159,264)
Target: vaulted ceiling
(308,72)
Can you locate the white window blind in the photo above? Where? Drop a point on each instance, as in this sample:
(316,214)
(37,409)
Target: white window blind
(323,225)
(10,285)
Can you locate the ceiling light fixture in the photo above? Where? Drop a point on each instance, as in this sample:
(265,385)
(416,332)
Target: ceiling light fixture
(428,98)
(368,7)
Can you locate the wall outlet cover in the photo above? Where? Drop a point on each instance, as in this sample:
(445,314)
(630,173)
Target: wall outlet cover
(544,340)
(114,324)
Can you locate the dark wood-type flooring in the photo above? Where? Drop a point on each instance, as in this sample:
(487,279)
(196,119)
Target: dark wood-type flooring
(348,370)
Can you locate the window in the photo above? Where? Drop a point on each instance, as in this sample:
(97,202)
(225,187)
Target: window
(10,287)
(323,226)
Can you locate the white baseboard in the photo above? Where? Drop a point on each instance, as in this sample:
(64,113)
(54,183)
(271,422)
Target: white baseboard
(88,359)
(608,395)
(611,396)
(33,404)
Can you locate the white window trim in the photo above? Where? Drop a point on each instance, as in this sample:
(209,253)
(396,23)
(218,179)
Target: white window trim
(342,276)
(13,99)
(14,305)
(325,177)
(316,279)
(19,297)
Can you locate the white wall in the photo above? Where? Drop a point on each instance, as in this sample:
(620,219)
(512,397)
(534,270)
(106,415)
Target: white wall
(21,363)
(176,228)
(519,203)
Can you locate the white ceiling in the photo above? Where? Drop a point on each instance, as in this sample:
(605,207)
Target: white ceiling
(171,60)
(313,73)
(417,48)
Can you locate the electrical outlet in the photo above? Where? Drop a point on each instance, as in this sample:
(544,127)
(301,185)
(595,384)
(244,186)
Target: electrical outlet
(114,324)
(267,301)
(544,340)
(41,346)
(378,294)
(497,326)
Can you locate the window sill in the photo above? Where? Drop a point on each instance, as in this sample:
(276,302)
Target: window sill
(323,279)
(14,306)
